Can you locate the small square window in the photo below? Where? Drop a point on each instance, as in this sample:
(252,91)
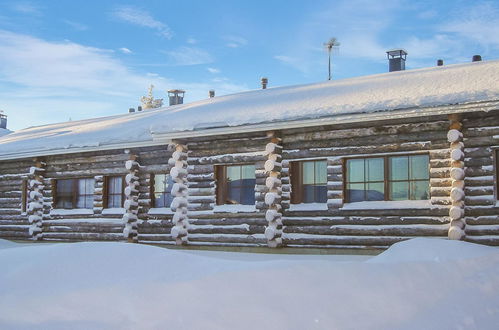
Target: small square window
(236,184)
(161,190)
(309,182)
(74,193)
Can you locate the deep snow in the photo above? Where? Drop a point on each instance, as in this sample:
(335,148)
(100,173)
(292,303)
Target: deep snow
(416,284)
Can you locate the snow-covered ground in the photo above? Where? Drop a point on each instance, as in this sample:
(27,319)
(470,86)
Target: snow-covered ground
(416,284)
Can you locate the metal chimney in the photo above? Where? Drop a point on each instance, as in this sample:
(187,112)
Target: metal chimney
(211,93)
(3,120)
(176,96)
(440,62)
(396,59)
(476,58)
(130,110)
(265,81)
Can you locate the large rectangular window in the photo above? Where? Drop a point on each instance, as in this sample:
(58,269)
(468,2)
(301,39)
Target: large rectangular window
(309,182)
(115,192)
(236,184)
(75,193)
(162,188)
(393,178)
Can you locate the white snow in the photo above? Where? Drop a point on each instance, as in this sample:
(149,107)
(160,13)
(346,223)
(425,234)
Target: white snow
(234,208)
(308,207)
(451,84)
(416,284)
(4,131)
(71,211)
(114,210)
(160,211)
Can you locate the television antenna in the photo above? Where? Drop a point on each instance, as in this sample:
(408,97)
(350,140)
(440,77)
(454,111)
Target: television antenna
(333,43)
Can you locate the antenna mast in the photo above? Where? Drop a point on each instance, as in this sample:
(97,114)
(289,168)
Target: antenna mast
(333,42)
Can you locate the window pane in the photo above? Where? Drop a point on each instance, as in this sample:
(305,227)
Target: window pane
(321,172)
(159,183)
(65,186)
(419,167)
(320,194)
(234,195)
(114,201)
(248,195)
(233,173)
(308,194)
(355,169)
(375,191)
(159,201)
(115,184)
(375,169)
(399,191)
(399,168)
(355,192)
(248,171)
(89,186)
(64,202)
(420,190)
(308,172)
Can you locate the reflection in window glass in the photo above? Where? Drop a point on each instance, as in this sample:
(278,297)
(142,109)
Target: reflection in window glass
(240,184)
(314,181)
(408,178)
(115,191)
(163,184)
(75,193)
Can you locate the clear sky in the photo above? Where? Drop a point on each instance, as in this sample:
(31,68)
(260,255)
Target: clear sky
(62,60)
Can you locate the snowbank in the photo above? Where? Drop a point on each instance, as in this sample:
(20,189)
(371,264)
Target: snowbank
(444,85)
(418,284)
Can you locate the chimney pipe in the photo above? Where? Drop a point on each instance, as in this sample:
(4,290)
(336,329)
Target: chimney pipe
(139,108)
(440,62)
(396,59)
(176,96)
(211,93)
(265,81)
(3,120)
(476,58)
(131,110)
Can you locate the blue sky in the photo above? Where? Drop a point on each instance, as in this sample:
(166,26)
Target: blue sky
(62,60)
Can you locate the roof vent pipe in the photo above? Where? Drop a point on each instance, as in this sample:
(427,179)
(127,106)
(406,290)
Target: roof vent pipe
(476,58)
(265,81)
(139,108)
(131,110)
(440,62)
(396,59)
(3,120)
(211,93)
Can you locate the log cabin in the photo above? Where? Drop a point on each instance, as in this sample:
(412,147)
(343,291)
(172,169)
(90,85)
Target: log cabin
(359,163)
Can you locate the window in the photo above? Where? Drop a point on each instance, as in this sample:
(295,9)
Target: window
(236,184)
(162,187)
(115,192)
(387,178)
(74,193)
(309,182)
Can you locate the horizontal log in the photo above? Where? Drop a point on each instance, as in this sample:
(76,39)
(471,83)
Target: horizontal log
(373,230)
(342,240)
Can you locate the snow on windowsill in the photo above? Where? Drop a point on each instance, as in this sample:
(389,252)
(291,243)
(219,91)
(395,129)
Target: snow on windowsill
(114,210)
(308,207)
(71,212)
(160,211)
(234,208)
(373,205)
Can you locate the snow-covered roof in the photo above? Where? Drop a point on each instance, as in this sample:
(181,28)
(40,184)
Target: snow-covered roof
(4,131)
(403,92)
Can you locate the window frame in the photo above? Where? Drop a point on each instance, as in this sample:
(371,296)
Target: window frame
(386,174)
(74,193)
(24,196)
(152,177)
(222,187)
(296,180)
(106,193)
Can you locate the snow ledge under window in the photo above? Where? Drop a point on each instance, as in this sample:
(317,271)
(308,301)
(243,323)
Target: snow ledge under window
(71,212)
(374,205)
(308,207)
(234,208)
(160,211)
(114,210)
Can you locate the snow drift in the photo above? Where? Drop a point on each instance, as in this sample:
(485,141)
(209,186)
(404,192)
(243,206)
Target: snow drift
(417,284)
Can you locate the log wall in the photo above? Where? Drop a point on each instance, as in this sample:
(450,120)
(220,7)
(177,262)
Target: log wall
(335,225)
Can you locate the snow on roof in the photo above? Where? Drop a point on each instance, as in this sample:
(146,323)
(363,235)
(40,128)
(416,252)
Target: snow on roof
(4,131)
(451,84)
